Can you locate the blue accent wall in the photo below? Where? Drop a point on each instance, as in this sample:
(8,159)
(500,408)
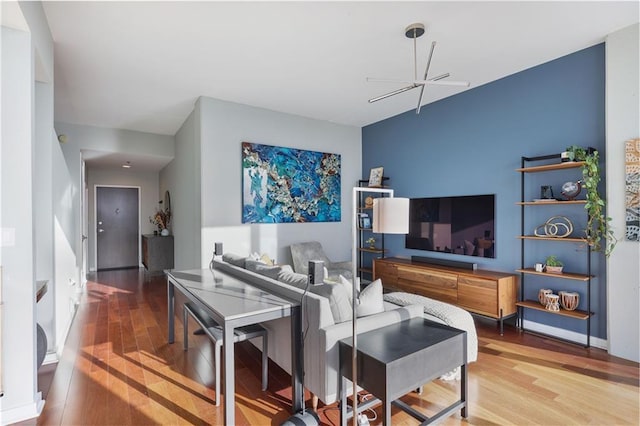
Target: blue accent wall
(471,143)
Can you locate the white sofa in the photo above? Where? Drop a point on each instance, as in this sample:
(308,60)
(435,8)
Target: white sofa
(321,359)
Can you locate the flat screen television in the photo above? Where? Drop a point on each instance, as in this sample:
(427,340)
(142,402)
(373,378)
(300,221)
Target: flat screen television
(459,225)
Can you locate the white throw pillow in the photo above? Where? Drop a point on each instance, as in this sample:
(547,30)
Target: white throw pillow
(338,301)
(371,301)
(348,286)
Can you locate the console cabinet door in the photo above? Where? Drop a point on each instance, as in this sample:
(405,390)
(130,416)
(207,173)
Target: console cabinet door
(478,295)
(387,272)
(429,283)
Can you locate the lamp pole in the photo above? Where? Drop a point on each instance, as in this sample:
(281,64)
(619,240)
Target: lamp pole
(356,287)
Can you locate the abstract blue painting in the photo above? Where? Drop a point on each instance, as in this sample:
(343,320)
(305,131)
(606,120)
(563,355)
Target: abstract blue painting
(286,185)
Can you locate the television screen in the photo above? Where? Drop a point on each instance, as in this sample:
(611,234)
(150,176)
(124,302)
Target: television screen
(459,225)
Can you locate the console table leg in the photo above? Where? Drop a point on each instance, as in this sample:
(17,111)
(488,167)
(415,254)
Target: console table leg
(343,401)
(463,391)
(170,311)
(386,411)
(501,323)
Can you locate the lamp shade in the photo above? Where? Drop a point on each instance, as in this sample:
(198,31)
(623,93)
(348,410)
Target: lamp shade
(391,215)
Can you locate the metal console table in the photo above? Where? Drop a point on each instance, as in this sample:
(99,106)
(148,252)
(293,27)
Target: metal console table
(233,303)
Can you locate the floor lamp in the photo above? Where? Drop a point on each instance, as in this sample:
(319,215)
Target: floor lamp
(390,216)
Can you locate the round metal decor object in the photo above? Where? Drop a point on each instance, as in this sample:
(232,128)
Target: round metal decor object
(570,190)
(555,227)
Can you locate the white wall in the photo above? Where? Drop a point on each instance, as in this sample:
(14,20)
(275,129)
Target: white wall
(30,247)
(224,126)
(21,399)
(622,118)
(182,178)
(43,207)
(66,267)
(149,197)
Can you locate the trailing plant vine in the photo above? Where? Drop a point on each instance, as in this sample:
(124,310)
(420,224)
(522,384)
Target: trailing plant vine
(598,232)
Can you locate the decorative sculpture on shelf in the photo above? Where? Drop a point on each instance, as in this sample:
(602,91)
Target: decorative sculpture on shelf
(555,226)
(570,190)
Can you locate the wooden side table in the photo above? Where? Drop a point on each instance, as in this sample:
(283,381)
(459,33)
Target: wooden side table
(399,358)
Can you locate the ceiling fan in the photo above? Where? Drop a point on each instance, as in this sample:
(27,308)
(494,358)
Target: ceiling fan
(414,31)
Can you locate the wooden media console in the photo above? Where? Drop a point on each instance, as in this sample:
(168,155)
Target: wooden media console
(487,293)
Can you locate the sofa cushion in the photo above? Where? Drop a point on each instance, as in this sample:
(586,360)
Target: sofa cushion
(287,276)
(336,295)
(252,265)
(338,300)
(347,285)
(266,259)
(234,259)
(371,301)
(269,271)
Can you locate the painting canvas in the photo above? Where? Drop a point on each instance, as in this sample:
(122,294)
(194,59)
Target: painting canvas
(632,189)
(285,185)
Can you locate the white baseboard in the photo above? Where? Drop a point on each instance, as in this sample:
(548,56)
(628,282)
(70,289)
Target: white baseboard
(561,333)
(25,412)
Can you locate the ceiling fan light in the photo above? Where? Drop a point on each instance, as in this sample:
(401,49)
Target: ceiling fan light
(414,30)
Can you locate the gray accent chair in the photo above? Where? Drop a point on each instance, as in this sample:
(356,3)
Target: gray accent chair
(302,253)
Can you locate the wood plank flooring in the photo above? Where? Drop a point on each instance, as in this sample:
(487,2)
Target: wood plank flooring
(117,369)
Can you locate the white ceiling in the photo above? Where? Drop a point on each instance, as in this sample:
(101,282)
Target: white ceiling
(142,65)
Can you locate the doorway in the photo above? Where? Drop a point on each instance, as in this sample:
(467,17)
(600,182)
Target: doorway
(117,227)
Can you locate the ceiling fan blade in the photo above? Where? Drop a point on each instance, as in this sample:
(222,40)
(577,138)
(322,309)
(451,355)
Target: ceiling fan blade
(420,100)
(434,81)
(426,71)
(395,92)
(389,80)
(444,83)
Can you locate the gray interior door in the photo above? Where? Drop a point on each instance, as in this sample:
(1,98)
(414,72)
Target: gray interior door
(117,227)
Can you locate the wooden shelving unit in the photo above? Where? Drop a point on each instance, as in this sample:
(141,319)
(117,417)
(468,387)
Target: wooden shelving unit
(550,203)
(524,203)
(564,275)
(566,239)
(366,254)
(530,304)
(549,167)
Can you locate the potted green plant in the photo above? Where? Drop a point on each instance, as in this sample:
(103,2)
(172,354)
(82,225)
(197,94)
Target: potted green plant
(598,233)
(372,242)
(553,265)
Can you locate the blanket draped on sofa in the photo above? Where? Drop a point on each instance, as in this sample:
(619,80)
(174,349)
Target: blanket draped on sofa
(452,316)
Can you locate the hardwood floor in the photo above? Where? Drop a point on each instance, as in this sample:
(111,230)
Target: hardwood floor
(117,369)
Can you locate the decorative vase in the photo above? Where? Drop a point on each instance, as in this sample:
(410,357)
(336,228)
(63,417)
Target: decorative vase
(164,232)
(553,302)
(569,300)
(542,295)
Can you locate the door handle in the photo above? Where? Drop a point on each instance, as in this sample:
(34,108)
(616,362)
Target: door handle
(100,230)
(84,237)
